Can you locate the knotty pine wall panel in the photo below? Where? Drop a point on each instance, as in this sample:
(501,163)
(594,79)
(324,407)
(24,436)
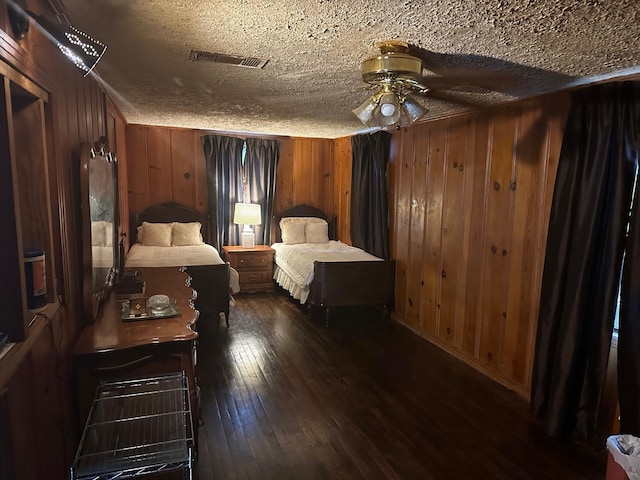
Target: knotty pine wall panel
(322,152)
(432,247)
(168,164)
(417,211)
(137,168)
(342,168)
(452,232)
(496,242)
(200,172)
(470,199)
(400,168)
(159,165)
(305,174)
(474,206)
(182,164)
(284,177)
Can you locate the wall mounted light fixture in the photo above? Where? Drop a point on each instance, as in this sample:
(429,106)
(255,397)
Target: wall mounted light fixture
(85,52)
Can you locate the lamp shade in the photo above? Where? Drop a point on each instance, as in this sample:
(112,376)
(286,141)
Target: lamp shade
(247,214)
(365,111)
(413,109)
(84,51)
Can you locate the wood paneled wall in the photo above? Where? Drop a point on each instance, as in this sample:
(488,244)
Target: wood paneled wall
(167,164)
(305,174)
(163,165)
(471,198)
(43,382)
(342,164)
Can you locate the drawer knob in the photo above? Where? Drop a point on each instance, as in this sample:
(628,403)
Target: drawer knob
(252,277)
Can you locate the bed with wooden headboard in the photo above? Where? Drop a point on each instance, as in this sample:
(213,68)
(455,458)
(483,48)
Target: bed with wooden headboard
(320,271)
(164,244)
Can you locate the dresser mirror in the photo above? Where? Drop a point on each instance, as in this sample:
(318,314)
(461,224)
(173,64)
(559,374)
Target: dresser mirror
(99,191)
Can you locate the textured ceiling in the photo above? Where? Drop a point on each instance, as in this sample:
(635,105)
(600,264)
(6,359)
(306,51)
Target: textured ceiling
(314,48)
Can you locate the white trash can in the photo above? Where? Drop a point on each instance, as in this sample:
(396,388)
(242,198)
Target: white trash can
(623,462)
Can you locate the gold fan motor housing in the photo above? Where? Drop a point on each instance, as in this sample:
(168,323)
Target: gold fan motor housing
(393,61)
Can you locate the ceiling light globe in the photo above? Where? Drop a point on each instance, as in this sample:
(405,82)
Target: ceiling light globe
(387,109)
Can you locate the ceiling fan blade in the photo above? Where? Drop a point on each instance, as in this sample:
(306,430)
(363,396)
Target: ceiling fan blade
(488,72)
(469,82)
(456,63)
(449,98)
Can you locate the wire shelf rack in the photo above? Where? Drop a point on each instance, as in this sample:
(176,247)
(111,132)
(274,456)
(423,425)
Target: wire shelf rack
(137,427)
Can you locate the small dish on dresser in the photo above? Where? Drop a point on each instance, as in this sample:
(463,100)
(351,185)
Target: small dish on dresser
(158,306)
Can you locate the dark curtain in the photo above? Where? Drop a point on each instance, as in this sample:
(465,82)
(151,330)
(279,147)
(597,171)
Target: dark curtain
(369,203)
(585,247)
(223,157)
(629,323)
(261,160)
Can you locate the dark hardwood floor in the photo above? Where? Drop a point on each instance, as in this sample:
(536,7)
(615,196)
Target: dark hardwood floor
(284,397)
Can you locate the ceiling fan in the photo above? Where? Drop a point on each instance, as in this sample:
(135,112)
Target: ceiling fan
(397,74)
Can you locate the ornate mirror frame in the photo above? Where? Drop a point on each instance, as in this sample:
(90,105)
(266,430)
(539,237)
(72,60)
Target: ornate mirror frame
(99,215)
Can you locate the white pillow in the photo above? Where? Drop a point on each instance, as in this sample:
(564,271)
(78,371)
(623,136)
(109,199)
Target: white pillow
(292,233)
(156,234)
(186,234)
(97,233)
(304,220)
(316,232)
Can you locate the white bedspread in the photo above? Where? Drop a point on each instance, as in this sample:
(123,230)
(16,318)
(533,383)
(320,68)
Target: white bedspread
(140,256)
(294,263)
(147,256)
(101,257)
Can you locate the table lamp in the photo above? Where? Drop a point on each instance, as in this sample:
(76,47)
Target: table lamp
(247,214)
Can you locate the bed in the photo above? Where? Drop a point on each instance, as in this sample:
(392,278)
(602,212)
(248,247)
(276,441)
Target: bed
(318,270)
(170,234)
(101,244)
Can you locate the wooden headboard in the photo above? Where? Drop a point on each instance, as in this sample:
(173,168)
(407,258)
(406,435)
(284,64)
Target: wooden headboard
(305,211)
(169,212)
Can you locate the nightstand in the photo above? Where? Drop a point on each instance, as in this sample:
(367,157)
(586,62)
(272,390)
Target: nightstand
(254,266)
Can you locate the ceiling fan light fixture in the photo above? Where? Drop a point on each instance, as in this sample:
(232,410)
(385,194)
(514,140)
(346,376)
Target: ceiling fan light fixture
(389,105)
(387,109)
(365,111)
(413,110)
(393,60)
(387,112)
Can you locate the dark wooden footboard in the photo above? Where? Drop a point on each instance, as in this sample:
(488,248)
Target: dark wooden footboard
(340,284)
(211,282)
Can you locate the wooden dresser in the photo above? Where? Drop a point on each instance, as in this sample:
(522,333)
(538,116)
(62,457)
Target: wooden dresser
(254,266)
(111,348)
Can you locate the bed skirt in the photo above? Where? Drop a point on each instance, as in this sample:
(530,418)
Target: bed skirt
(298,292)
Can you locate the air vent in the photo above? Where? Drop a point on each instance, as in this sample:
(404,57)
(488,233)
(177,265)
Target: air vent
(249,62)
